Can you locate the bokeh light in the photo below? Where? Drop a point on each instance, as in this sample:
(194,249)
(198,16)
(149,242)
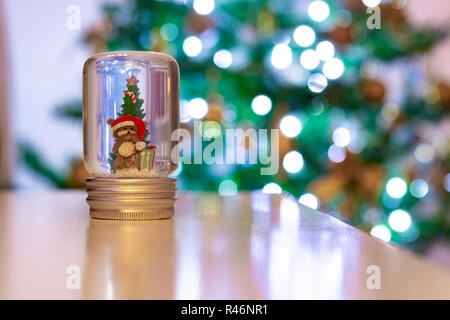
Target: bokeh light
(336,154)
(169,31)
(447,182)
(261,105)
(396,187)
(325,50)
(341,137)
(399,220)
(185,115)
(304,36)
(198,108)
(192,46)
(317,82)
(211,129)
(204,7)
(381,232)
(309,59)
(272,188)
(293,162)
(371,3)
(227,188)
(318,10)
(290,126)
(419,188)
(281,56)
(333,68)
(309,200)
(424,153)
(223,58)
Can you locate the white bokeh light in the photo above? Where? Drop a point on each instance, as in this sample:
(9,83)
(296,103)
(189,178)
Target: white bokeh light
(341,137)
(371,3)
(381,232)
(185,115)
(227,188)
(447,182)
(290,126)
(424,153)
(317,82)
(333,68)
(198,108)
(281,56)
(309,59)
(396,188)
(261,105)
(293,162)
(325,50)
(204,7)
(336,154)
(318,10)
(399,220)
(304,36)
(309,200)
(272,188)
(419,188)
(192,46)
(223,59)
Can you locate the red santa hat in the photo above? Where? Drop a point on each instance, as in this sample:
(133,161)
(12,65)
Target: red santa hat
(124,121)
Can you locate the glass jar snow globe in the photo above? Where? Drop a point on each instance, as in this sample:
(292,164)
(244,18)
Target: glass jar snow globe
(130,110)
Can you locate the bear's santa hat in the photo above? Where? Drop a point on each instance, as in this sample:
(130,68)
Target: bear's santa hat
(124,121)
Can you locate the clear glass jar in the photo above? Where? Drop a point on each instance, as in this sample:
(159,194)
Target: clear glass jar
(130,109)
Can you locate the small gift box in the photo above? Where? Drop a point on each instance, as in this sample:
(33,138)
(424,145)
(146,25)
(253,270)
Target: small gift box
(147,159)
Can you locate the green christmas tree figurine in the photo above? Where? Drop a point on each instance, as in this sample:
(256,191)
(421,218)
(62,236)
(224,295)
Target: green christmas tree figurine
(131,151)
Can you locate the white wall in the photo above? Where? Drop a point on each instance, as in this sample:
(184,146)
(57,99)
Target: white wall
(46,68)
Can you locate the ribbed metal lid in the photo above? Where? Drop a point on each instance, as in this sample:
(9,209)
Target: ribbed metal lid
(131,199)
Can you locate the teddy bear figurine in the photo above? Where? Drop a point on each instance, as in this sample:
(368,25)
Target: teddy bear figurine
(128,133)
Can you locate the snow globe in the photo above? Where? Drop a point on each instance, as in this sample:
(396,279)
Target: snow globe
(130,111)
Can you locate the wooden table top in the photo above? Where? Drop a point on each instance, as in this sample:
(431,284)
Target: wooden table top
(252,246)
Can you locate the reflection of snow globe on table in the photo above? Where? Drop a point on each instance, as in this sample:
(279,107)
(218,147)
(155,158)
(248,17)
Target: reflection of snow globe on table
(130,109)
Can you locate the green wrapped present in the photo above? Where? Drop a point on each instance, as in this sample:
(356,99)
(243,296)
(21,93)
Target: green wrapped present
(147,159)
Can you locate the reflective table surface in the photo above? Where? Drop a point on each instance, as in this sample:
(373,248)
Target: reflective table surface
(252,246)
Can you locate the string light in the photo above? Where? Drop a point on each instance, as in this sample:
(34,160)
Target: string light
(396,188)
(223,58)
(381,232)
(227,188)
(371,3)
(419,188)
(293,162)
(317,82)
(204,7)
(290,126)
(309,200)
(192,46)
(261,105)
(325,50)
(424,153)
(281,56)
(399,220)
(333,68)
(309,59)
(272,188)
(336,154)
(304,36)
(447,182)
(318,10)
(185,115)
(198,108)
(341,137)
(169,31)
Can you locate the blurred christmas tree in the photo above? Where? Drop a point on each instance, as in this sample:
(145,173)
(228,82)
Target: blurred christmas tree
(316,71)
